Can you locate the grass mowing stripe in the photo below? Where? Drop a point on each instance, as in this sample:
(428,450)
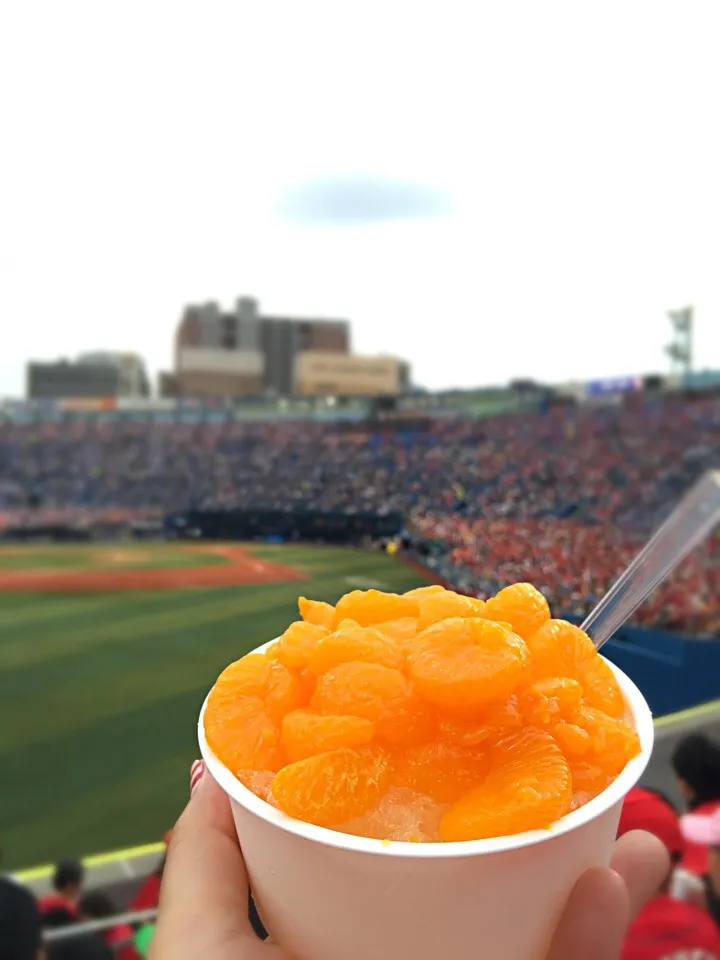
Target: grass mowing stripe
(167,642)
(199,606)
(39,608)
(99,734)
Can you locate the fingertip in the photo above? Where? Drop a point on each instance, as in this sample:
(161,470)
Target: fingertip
(595,918)
(643,863)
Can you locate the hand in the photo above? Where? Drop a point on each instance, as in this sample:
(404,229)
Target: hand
(204,897)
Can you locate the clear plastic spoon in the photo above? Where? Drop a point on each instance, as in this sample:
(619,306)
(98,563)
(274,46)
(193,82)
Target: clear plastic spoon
(687,526)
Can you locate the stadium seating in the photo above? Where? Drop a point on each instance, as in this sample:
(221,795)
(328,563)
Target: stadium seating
(563,498)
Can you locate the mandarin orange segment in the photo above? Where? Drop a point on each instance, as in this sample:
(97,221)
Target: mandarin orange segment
(257,676)
(435,607)
(305,734)
(332,787)
(572,740)
(601,689)
(241,734)
(560,649)
(402,631)
(247,676)
(379,694)
(368,607)
(588,780)
(522,606)
(496,722)
(353,642)
(528,788)
(612,742)
(462,665)
(547,701)
(610,745)
(428,591)
(295,646)
(317,612)
(443,771)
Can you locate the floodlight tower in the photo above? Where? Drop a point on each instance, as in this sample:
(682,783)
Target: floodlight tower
(680,347)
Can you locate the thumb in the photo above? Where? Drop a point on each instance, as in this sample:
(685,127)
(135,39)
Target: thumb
(204,895)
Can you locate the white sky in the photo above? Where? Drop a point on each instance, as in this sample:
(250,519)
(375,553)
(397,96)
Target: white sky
(145,146)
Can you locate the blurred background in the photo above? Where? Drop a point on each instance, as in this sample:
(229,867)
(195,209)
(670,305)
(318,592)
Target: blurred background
(313,298)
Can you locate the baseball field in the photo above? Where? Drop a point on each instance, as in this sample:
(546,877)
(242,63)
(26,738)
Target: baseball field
(106,653)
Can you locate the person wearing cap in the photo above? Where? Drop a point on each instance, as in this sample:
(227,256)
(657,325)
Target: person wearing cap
(666,928)
(61,907)
(703,830)
(20,933)
(696,762)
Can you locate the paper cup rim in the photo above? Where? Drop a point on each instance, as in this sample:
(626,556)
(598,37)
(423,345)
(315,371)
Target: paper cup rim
(614,794)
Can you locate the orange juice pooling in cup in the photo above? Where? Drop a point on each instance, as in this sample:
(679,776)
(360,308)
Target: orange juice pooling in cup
(426,717)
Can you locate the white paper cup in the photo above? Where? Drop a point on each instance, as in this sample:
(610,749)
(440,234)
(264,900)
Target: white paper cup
(325,895)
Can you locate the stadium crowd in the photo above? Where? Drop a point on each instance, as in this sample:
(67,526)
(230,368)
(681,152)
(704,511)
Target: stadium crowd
(563,498)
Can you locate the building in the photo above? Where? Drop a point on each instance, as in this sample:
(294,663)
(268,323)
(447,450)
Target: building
(99,374)
(243,352)
(319,373)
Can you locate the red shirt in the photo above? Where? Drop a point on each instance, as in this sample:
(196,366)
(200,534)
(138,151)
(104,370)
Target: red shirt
(123,933)
(148,896)
(695,858)
(55,903)
(668,929)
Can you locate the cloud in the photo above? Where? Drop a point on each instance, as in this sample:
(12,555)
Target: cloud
(360,199)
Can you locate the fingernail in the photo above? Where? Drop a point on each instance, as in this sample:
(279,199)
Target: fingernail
(196,774)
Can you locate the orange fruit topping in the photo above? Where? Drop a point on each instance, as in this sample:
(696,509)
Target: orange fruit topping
(461,665)
(379,694)
(317,612)
(443,771)
(528,788)
(494,724)
(242,735)
(368,607)
(401,631)
(296,645)
(426,717)
(547,701)
(352,642)
(305,734)
(435,607)
(522,606)
(332,787)
(560,649)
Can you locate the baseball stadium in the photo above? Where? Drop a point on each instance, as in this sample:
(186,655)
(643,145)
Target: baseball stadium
(140,554)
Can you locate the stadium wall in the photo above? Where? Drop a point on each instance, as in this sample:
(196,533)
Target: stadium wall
(282,525)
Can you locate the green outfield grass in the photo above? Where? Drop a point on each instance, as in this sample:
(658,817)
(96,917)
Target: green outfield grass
(99,696)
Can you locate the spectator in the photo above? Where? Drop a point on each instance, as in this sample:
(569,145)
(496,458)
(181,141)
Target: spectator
(665,928)
(704,830)
(696,762)
(60,908)
(98,906)
(148,896)
(20,935)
